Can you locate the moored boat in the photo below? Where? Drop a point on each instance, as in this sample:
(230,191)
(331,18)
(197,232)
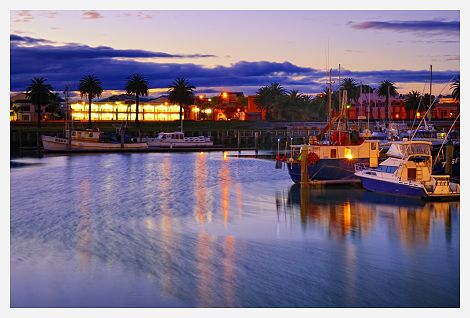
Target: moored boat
(407,171)
(178,140)
(88,139)
(333,161)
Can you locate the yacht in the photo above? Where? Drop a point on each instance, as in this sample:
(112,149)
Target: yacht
(407,171)
(177,140)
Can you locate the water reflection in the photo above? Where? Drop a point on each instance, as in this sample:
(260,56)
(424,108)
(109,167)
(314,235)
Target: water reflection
(225,181)
(158,240)
(354,212)
(200,189)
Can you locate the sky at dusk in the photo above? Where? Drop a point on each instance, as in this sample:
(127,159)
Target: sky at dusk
(235,50)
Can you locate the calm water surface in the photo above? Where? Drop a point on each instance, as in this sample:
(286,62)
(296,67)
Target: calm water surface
(208,230)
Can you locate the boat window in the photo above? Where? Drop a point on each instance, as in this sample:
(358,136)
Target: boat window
(387,169)
(333,153)
(90,134)
(373,146)
(412,173)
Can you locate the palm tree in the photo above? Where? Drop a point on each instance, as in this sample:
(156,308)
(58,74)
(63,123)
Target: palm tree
(351,86)
(413,99)
(138,85)
(181,93)
(270,98)
(456,90)
(387,89)
(293,105)
(39,93)
(91,87)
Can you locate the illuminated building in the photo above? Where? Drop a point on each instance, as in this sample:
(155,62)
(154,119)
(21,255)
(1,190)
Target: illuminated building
(123,107)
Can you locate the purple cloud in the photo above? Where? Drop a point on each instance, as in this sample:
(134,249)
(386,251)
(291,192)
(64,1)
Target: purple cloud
(91,15)
(72,50)
(68,63)
(429,26)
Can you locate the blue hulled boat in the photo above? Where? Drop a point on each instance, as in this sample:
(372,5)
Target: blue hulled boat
(333,162)
(407,171)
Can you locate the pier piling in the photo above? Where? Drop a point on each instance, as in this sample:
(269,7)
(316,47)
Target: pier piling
(449,157)
(303,164)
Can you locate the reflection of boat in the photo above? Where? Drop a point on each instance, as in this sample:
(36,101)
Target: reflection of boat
(408,172)
(177,140)
(339,195)
(88,139)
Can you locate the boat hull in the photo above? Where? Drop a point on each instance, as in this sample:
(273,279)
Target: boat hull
(157,144)
(393,188)
(327,169)
(60,144)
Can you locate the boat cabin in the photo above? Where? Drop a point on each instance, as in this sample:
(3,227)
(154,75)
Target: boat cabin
(85,135)
(369,149)
(408,160)
(171,136)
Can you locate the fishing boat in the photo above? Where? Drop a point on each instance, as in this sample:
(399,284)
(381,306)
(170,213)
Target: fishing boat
(177,139)
(333,154)
(333,161)
(89,139)
(407,171)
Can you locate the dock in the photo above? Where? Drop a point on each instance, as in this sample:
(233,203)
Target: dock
(149,150)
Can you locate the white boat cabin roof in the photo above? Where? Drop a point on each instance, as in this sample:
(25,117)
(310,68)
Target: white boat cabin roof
(405,148)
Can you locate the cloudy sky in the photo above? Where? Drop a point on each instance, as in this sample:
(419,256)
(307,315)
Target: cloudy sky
(235,50)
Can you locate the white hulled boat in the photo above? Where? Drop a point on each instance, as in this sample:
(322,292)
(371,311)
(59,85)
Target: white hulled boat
(88,139)
(178,140)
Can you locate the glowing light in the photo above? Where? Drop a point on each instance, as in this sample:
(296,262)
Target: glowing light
(396,116)
(348,106)
(224,95)
(210,99)
(418,114)
(208,111)
(201,97)
(348,153)
(238,109)
(196,109)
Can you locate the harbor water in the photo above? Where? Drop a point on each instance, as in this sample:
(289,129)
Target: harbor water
(212,230)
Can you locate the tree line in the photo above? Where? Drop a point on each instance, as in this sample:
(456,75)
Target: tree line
(279,103)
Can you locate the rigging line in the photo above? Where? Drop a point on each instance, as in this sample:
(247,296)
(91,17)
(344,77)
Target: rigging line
(430,106)
(445,139)
(419,104)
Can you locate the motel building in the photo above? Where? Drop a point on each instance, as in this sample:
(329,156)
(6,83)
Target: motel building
(122,107)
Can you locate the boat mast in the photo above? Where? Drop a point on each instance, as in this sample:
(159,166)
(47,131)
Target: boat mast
(368,109)
(329,105)
(430,91)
